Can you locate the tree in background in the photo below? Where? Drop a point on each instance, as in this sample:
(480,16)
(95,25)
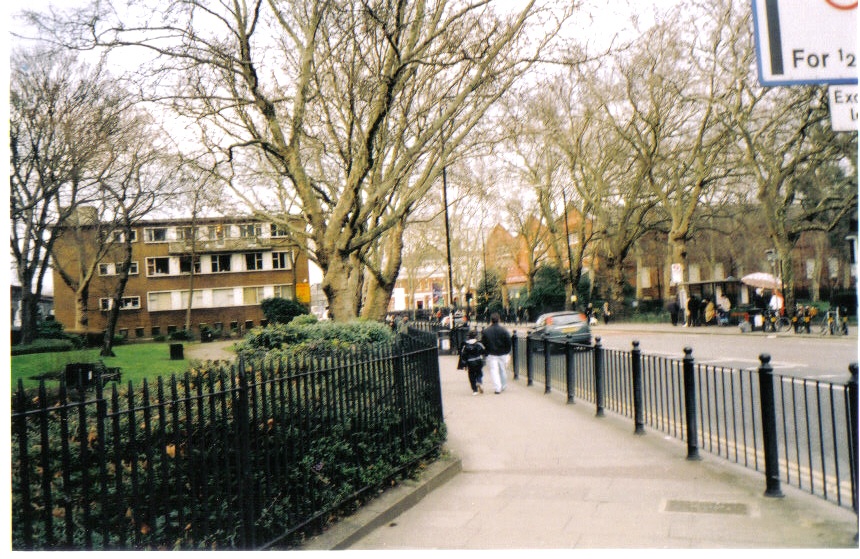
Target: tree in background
(354,107)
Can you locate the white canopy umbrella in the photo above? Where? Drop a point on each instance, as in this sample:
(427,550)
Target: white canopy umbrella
(761,279)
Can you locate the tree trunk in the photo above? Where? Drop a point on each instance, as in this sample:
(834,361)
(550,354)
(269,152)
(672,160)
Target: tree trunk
(82,317)
(337,284)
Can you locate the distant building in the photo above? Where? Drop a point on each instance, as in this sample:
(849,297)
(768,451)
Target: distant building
(45,306)
(237,262)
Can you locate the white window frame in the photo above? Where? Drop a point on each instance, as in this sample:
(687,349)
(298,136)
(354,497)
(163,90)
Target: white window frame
(149,234)
(250,230)
(216,258)
(257,260)
(150,270)
(287,257)
(131,302)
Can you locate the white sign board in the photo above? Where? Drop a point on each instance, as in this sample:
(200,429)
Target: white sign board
(844,107)
(806,41)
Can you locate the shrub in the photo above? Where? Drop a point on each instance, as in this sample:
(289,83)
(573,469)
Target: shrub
(310,337)
(281,310)
(44,346)
(181,335)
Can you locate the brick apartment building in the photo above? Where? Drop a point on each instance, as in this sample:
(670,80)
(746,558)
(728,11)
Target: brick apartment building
(237,262)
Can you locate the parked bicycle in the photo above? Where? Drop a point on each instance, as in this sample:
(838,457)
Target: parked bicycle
(775,322)
(834,322)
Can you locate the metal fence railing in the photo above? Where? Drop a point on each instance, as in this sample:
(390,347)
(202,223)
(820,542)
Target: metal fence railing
(234,457)
(798,431)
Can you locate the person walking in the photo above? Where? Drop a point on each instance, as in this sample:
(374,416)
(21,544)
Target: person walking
(497,343)
(472,360)
(606,312)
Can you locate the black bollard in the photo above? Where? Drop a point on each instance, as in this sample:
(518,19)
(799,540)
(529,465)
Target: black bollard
(690,406)
(515,353)
(598,377)
(530,362)
(569,369)
(547,375)
(638,410)
(768,427)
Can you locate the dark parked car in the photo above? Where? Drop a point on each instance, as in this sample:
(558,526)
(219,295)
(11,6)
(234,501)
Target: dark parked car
(557,326)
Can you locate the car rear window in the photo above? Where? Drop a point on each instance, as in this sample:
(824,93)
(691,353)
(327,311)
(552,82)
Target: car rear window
(563,319)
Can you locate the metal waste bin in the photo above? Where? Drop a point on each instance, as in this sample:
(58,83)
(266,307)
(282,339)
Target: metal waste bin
(176,352)
(444,340)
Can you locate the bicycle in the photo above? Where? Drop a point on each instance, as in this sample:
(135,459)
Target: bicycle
(776,322)
(833,323)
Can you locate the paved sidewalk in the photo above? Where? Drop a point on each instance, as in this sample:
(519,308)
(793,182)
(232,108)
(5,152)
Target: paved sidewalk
(538,473)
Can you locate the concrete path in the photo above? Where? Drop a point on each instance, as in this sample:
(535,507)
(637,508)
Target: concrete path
(538,473)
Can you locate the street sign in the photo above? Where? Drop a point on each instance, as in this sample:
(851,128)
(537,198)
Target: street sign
(844,107)
(806,41)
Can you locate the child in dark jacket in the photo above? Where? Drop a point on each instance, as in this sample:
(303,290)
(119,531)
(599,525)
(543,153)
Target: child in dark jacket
(472,359)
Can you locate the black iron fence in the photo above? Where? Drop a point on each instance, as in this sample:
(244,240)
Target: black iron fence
(799,431)
(238,457)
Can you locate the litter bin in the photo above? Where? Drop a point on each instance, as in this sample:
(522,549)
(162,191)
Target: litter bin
(176,352)
(444,341)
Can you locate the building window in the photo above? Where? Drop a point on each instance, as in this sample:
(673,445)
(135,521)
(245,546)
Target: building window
(125,304)
(279,230)
(248,230)
(220,263)
(218,326)
(234,325)
(157,266)
(198,299)
(156,331)
(139,332)
(106,270)
(185,233)
(171,330)
(160,301)
(214,232)
(253,261)
(132,268)
(249,324)
(284,291)
(281,260)
(185,264)
(222,297)
(252,295)
(155,234)
(123,332)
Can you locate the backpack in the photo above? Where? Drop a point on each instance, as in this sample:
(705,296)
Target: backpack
(471,355)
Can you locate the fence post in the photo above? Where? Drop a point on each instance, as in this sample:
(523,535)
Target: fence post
(243,418)
(530,373)
(547,376)
(515,355)
(569,369)
(768,427)
(638,412)
(598,376)
(690,406)
(852,395)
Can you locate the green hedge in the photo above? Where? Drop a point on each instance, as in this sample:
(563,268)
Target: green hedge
(44,346)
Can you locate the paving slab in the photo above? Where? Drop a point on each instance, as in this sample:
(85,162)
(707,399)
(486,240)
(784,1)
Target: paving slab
(541,474)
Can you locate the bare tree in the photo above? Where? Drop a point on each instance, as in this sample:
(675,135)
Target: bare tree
(346,101)
(803,174)
(63,115)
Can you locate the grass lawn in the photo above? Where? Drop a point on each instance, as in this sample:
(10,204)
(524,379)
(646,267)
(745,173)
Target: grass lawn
(137,361)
